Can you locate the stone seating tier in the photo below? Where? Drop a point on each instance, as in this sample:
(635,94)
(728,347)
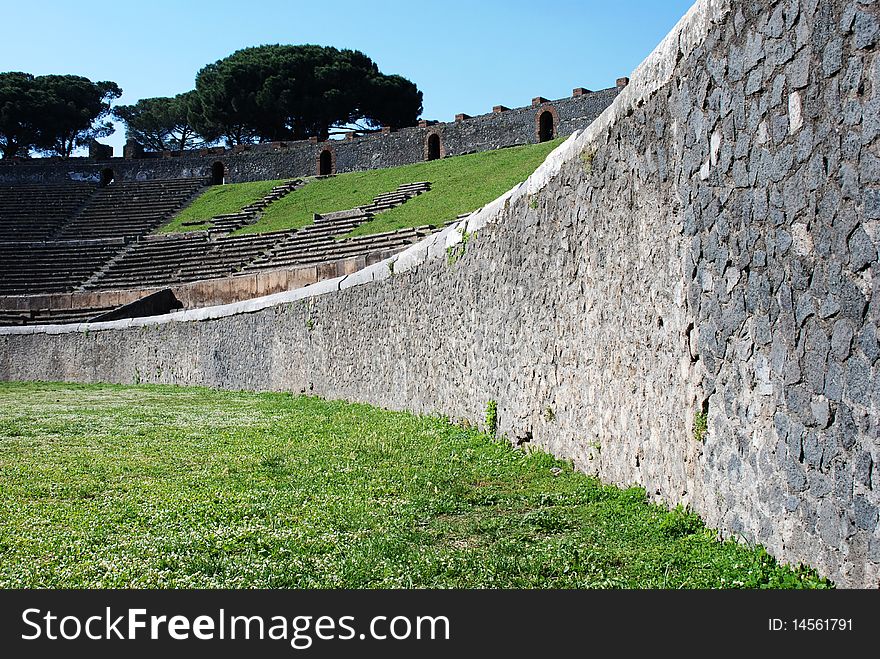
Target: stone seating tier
(130,208)
(36,212)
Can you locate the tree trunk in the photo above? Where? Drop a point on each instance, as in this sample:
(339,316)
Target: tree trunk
(299,131)
(10,150)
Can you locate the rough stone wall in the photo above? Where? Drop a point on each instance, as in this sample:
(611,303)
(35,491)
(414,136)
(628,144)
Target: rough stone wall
(780,207)
(275,161)
(709,243)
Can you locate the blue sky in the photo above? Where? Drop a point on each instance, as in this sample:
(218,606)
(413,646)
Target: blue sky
(464,56)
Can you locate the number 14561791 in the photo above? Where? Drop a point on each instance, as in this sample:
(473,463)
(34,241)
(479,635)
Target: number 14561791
(810,624)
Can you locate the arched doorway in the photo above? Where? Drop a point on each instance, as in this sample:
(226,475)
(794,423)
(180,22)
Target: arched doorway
(218,173)
(433,147)
(546,129)
(107,177)
(325,163)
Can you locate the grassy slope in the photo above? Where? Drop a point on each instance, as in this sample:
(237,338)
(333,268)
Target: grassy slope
(219,200)
(106,486)
(459,185)
(462,187)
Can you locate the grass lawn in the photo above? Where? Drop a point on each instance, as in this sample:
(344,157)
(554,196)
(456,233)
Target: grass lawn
(459,185)
(219,200)
(146,486)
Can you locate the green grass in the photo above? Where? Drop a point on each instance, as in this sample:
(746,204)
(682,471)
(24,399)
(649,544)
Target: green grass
(219,200)
(459,185)
(146,486)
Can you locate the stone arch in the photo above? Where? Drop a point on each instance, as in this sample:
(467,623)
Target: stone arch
(218,173)
(546,123)
(107,177)
(434,148)
(326,162)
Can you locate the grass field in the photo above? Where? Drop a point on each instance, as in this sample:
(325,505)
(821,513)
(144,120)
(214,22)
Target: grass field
(459,185)
(218,200)
(111,486)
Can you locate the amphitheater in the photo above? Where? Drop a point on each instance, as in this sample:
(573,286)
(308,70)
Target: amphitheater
(704,244)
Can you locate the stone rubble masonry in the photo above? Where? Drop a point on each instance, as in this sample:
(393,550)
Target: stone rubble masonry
(274,160)
(707,244)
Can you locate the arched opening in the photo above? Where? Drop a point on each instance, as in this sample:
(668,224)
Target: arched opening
(545,126)
(218,173)
(325,163)
(107,177)
(433,146)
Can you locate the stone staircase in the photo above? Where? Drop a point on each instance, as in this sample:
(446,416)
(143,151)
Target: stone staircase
(320,237)
(401,195)
(229,222)
(167,259)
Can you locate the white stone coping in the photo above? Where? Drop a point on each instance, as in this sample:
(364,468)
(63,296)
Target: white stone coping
(651,75)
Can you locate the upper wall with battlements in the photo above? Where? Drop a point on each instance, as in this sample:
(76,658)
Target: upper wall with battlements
(503,127)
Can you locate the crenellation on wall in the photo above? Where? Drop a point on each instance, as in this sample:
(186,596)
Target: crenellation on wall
(277,160)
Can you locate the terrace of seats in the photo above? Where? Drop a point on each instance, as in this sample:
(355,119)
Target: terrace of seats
(318,241)
(50,316)
(54,238)
(82,238)
(51,267)
(36,212)
(164,260)
(130,208)
(176,258)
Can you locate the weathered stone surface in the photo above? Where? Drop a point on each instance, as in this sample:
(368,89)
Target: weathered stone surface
(560,302)
(864,469)
(867,29)
(872,197)
(865,513)
(832,57)
(841,339)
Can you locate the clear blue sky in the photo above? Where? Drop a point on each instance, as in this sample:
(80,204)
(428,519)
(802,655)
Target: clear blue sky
(466,56)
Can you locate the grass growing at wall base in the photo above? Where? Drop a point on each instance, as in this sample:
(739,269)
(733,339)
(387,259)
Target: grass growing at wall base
(147,486)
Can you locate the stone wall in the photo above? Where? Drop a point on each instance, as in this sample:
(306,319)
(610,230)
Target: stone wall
(709,244)
(288,160)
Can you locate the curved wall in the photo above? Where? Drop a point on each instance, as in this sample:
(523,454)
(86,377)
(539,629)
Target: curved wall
(259,162)
(709,243)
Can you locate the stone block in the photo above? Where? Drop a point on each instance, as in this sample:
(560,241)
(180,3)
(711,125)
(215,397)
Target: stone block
(864,513)
(864,468)
(871,200)
(867,29)
(858,379)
